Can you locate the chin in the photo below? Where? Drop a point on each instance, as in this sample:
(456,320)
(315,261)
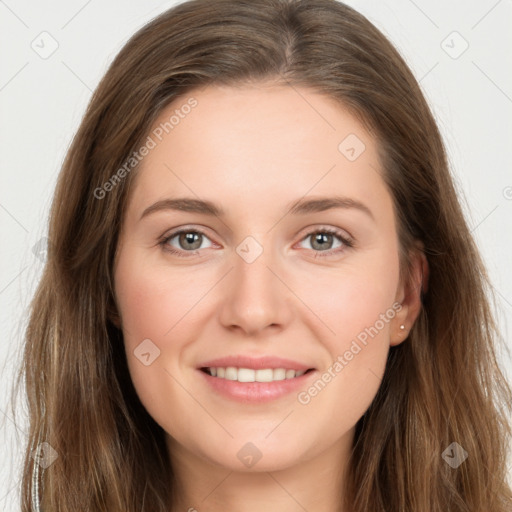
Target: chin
(260,455)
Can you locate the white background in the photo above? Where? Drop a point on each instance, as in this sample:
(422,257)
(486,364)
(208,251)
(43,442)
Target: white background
(42,101)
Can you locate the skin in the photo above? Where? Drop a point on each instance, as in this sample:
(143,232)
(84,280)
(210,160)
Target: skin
(253,150)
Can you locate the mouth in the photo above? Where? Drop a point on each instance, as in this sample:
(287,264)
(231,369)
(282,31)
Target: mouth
(251,379)
(254,375)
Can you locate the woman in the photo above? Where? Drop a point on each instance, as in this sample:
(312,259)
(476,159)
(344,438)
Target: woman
(259,369)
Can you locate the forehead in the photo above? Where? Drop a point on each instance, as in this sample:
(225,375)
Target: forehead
(255,147)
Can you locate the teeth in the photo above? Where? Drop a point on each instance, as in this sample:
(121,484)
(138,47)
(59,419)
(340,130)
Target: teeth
(279,374)
(231,373)
(250,375)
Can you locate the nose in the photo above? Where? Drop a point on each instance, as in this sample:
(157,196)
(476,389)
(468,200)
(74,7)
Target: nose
(255,296)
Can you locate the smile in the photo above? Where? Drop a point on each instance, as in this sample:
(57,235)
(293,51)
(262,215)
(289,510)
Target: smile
(260,386)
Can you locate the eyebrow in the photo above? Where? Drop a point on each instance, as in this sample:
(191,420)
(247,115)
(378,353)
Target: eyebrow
(298,207)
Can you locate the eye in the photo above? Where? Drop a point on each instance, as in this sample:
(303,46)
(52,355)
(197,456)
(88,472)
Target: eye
(191,240)
(188,240)
(323,240)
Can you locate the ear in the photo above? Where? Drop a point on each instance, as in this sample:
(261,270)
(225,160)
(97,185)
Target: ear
(113,314)
(409,295)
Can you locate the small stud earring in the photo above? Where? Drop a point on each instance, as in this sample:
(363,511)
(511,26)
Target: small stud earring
(402,327)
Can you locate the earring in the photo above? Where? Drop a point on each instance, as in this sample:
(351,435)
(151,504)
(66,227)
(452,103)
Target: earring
(402,327)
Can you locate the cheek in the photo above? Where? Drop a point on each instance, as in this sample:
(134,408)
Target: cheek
(150,304)
(153,303)
(358,309)
(152,300)
(355,298)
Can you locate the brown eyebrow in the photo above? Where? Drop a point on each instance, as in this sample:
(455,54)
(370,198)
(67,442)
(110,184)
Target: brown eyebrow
(327,203)
(298,207)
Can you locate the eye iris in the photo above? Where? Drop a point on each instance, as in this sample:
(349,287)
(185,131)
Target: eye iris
(321,238)
(190,238)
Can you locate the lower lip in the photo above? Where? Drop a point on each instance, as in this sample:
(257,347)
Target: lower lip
(256,392)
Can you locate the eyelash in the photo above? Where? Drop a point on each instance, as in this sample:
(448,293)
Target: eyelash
(347,242)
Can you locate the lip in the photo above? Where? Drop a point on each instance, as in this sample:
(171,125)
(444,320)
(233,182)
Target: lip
(255,363)
(255,392)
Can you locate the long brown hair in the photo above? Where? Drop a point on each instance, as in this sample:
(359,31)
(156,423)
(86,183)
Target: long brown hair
(442,385)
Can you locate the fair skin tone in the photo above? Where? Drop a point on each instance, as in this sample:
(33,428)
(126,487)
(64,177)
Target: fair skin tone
(252,151)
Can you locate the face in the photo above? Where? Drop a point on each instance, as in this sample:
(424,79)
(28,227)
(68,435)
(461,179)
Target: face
(297,269)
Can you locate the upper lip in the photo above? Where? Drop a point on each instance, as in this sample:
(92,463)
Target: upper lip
(255,363)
